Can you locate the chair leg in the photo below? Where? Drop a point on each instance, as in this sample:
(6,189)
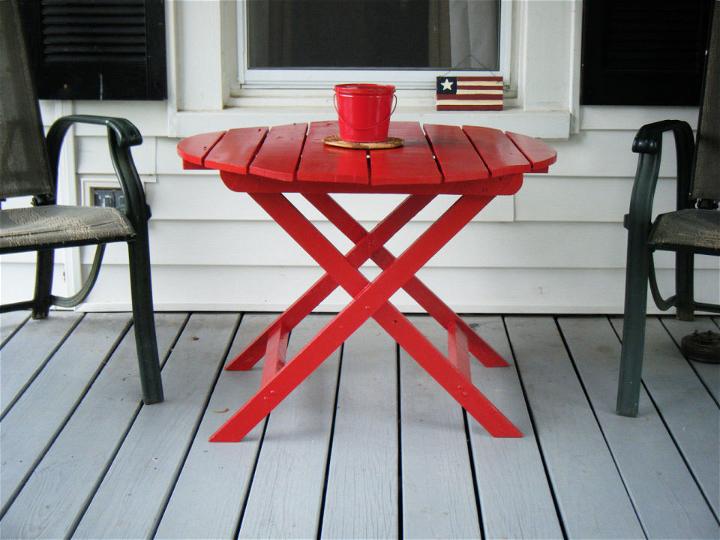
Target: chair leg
(684,265)
(43,283)
(144,320)
(633,338)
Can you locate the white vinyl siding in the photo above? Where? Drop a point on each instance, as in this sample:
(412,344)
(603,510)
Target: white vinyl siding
(558,246)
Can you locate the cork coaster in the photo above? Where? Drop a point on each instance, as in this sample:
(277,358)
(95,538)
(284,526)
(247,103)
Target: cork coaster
(390,142)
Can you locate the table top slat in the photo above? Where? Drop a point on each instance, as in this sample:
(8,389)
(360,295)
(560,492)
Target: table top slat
(194,149)
(322,163)
(280,152)
(499,153)
(455,154)
(412,163)
(434,159)
(540,155)
(235,150)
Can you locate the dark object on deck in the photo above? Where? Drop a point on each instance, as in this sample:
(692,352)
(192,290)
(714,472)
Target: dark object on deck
(702,347)
(693,228)
(28,167)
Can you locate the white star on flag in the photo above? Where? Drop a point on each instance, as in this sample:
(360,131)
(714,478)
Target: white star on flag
(447,84)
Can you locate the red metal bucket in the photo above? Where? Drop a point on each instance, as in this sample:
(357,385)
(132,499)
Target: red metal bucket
(364,111)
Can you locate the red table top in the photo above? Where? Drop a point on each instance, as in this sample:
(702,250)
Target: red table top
(440,159)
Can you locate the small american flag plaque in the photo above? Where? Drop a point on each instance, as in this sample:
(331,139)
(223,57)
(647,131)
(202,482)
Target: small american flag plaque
(469,94)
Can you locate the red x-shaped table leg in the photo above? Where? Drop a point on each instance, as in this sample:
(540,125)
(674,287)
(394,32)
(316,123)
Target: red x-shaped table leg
(364,243)
(414,287)
(369,300)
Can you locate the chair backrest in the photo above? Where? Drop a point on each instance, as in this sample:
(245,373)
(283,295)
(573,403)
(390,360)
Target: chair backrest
(24,166)
(706,183)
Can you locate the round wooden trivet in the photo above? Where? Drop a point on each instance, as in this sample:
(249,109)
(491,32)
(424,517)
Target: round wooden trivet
(391,142)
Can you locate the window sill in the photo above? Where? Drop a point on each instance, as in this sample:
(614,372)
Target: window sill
(546,124)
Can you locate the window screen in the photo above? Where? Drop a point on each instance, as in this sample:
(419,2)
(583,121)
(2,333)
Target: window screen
(380,34)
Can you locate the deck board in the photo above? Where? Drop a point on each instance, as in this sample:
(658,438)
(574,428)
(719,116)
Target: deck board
(668,501)
(30,426)
(286,495)
(515,497)
(437,484)
(43,509)
(577,457)
(26,354)
(98,464)
(362,490)
(131,497)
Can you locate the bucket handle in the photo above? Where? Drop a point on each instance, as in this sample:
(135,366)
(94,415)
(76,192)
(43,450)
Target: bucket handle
(369,127)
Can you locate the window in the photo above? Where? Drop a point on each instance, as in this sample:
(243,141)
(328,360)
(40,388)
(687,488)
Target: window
(309,43)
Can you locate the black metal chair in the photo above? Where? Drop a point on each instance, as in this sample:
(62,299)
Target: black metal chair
(29,167)
(693,228)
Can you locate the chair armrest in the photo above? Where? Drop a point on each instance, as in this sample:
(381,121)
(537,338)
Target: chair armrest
(125,131)
(648,143)
(122,134)
(648,139)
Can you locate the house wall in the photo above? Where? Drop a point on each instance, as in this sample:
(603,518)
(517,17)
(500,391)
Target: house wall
(557,246)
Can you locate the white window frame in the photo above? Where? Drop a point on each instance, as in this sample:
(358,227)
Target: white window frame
(542,101)
(420,79)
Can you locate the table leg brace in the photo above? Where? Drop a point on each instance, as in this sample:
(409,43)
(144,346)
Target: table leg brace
(370,299)
(435,307)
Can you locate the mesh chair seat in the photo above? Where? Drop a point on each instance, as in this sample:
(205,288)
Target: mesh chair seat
(52,225)
(694,228)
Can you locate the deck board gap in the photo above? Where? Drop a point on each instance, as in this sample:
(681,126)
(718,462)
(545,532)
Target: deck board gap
(195,428)
(531,414)
(330,445)
(175,340)
(690,363)
(121,441)
(246,496)
(67,418)
(18,326)
(103,474)
(473,474)
(42,364)
(684,458)
(599,424)
(680,451)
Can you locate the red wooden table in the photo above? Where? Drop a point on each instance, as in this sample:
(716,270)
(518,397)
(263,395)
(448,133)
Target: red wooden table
(475,163)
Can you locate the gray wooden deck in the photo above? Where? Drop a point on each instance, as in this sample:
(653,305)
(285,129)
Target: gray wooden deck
(368,447)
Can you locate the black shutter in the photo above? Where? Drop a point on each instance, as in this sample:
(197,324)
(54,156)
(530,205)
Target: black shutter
(97,49)
(641,52)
